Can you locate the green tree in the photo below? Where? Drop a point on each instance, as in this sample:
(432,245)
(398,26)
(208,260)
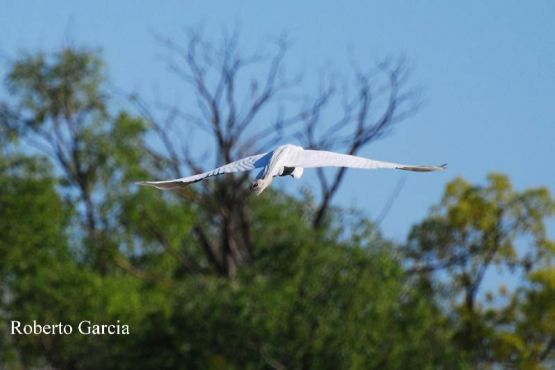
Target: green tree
(308,301)
(60,108)
(32,225)
(479,228)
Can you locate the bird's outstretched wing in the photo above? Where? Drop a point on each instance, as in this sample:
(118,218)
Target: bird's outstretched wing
(320,158)
(245,164)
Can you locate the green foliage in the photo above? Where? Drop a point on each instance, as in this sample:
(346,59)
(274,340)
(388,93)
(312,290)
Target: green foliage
(53,86)
(61,110)
(478,228)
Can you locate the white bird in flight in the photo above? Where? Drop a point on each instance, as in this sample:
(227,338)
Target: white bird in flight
(288,160)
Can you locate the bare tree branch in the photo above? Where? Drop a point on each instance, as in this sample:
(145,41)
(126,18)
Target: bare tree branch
(227,106)
(357,128)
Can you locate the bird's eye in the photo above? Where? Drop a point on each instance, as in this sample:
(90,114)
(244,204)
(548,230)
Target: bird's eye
(255,185)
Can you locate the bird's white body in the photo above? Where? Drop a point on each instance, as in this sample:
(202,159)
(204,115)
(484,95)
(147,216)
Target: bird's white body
(279,165)
(288,160)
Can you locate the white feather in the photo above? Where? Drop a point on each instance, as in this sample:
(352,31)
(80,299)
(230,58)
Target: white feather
(245,164)
(273,164)
(320,158)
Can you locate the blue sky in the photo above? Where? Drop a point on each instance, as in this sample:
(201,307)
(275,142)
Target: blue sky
(487,68)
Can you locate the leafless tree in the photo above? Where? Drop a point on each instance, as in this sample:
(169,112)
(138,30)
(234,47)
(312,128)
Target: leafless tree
(234,93)
(377,100)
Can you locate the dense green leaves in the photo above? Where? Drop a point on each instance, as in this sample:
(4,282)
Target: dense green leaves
(474,230)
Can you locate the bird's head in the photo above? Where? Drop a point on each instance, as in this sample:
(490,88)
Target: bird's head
(259,185)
